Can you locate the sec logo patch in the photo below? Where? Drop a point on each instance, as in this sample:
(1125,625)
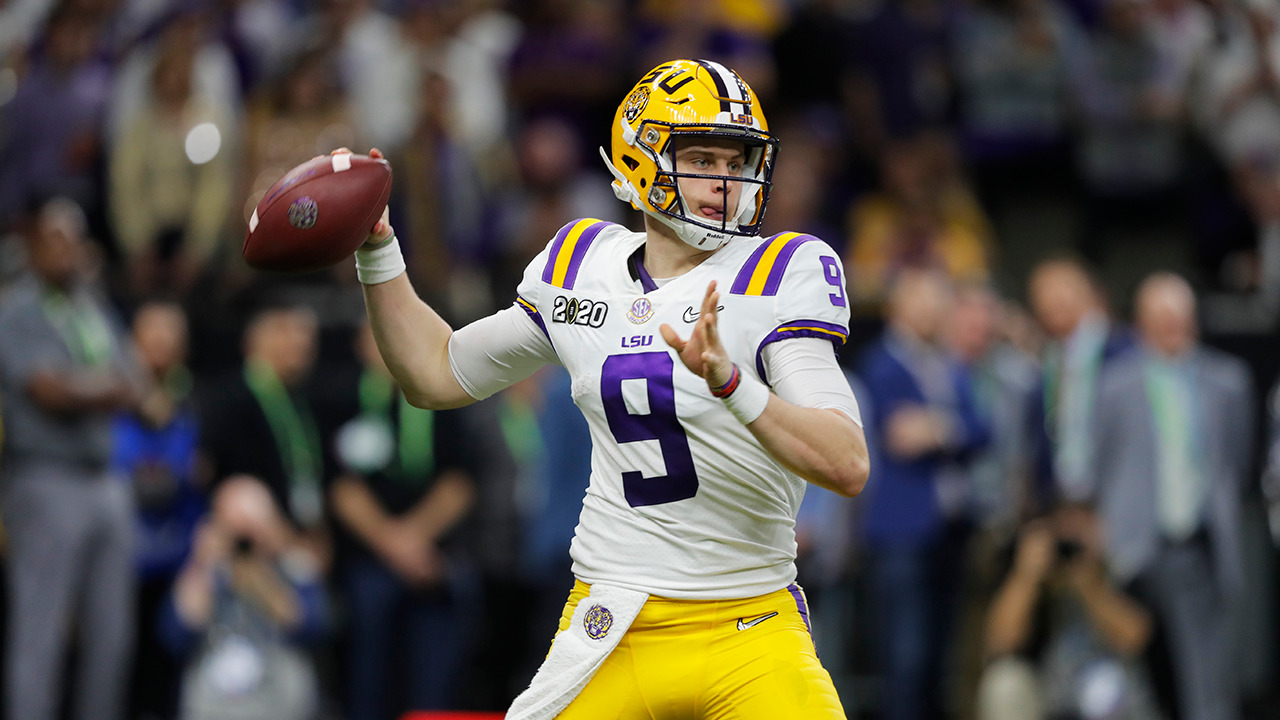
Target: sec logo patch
(641,310)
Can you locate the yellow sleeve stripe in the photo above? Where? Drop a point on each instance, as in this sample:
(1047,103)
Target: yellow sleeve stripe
(810,328)
(765,266)
(569,251)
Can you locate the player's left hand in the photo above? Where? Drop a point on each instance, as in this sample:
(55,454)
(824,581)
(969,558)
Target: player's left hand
(703,353)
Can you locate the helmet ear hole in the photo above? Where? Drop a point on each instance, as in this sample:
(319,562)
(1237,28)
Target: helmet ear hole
(643,182)
(630,162)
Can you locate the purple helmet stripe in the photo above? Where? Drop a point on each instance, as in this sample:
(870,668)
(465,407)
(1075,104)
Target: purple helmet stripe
(721,90)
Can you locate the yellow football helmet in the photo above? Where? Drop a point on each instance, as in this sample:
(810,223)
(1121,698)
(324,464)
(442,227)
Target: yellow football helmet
(690,97)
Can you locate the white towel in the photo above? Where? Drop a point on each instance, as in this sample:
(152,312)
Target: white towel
(599,622)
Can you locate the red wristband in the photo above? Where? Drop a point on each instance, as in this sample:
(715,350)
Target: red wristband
(727,389)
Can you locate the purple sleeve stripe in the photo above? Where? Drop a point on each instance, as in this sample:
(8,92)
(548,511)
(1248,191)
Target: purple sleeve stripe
(837,334)
(802,605)
(580,251)
(556,245)
(762,273)
(568,249)
(780,264)
(533,313)
(743,280)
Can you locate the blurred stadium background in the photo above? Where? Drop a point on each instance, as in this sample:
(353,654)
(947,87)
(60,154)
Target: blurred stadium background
(975,136)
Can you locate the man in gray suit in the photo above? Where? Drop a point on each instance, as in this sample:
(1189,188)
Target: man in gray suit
(65,367)
(1173,432)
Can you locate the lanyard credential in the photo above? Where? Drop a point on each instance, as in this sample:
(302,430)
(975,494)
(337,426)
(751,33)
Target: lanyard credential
(81,326)
(296,438)
(416,445)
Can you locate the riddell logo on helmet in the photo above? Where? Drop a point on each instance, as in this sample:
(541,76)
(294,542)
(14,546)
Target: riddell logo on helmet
(635,104)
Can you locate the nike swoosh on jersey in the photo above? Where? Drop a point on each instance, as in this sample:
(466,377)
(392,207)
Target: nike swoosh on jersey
(691,315)
(748,624)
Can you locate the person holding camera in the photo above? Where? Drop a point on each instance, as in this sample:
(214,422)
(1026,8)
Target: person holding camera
(1064,643)
(242,608)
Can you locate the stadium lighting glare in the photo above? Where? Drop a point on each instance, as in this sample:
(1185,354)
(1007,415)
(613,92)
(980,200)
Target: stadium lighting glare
(203,143)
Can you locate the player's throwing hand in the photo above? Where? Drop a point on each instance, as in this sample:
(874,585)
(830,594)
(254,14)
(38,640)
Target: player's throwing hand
(703,352)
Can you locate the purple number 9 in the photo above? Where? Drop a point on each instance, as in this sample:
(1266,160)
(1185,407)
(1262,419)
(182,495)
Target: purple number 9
(832,269)
(660,423)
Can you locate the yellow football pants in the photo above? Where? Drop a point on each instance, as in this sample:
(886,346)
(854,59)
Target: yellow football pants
(749,659)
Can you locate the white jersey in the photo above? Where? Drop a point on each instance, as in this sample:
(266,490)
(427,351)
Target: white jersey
(683,501)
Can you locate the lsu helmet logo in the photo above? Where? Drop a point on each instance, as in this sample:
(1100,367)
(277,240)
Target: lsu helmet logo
(635,103)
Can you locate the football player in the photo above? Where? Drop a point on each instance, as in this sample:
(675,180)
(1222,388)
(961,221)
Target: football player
(702,358)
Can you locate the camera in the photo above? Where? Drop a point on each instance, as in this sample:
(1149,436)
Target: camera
(242,547)
(1068,549)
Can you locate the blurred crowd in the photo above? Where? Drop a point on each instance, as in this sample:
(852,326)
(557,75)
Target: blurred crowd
(1060,221)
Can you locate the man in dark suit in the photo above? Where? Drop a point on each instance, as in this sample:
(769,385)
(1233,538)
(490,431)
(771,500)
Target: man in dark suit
(923,427)
(1083,339)
(1172,434)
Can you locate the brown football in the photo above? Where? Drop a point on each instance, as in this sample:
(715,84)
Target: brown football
(318,213)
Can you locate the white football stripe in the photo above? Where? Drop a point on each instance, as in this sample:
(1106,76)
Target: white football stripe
(253,220)
(341,161)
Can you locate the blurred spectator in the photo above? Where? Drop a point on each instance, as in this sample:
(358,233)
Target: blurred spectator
(214,80)
(734,32)
(900,51)
(300,114)
(568,63)
(1239,99)
(241,610)
(1238,104)
(923,428)
(1069,306)
(1003,378)
(1062,641)
(407,481)
(1271,470)
(554,184)
(171,180)
(259,422)
(1130,146)
(158,455)
(1173,432)
(448,226)
(1010,58)
(252,31)
(482,36)
(557,481)
(375,65)
(807,184)
(511,641)
(924,217)
(1181,31)
(65,367)
(51,129)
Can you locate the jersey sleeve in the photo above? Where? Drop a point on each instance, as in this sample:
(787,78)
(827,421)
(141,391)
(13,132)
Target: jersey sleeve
(806,280)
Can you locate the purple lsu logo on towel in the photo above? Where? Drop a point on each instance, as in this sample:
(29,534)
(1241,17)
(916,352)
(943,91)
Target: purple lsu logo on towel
(597,622)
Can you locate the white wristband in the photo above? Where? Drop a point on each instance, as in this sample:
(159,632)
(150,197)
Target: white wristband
(377,265)
(748,401)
